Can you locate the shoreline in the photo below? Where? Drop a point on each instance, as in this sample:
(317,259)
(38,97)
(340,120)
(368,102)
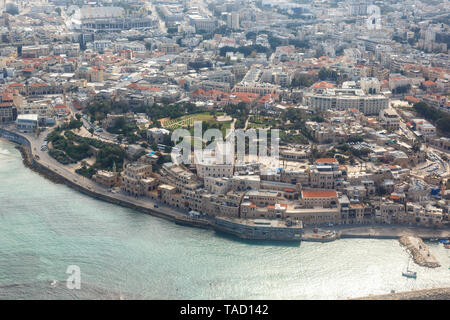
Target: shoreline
(422,294)
(55,177)
(374,231)
(350,231)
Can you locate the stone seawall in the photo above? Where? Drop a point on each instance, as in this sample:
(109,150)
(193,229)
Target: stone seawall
(362,232)
(390,232)
(30,162)
(14,137)
(366,236)
(55,176)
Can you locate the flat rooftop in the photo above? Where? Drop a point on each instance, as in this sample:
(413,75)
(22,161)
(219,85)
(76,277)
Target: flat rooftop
(267,223)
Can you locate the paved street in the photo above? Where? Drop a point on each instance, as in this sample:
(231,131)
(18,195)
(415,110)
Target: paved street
(46,160)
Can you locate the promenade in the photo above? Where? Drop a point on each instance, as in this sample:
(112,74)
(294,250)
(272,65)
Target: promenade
(45,164)
(386,231)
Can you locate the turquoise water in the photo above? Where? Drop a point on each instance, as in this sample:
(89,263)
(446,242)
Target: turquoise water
(45,227)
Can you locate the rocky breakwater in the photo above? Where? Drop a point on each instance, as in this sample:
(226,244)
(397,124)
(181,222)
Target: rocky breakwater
(420,252)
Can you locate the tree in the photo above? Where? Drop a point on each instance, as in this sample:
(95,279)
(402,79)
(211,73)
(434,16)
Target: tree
(441,119)
(325,74)
(303,80)
(12,9)
(274,42)
(381,190)
(319,53)
(443,124)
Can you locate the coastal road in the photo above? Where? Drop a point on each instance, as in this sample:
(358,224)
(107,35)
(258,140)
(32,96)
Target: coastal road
(103,136)
(47,161)
(444,166)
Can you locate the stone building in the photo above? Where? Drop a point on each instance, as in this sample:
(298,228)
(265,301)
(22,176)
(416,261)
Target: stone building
(137,180)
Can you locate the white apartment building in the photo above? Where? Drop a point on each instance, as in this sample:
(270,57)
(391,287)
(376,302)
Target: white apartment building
(233,20)
(27,122)
(343,99)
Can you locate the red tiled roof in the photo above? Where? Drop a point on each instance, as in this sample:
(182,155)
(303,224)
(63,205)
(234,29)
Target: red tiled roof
(245,96)
(6,96)
(198,92)
(412,99)
(319,194)
(429,83)
(323,85)
(326,160)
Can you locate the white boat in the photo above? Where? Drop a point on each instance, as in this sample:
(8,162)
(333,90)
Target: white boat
(409,273)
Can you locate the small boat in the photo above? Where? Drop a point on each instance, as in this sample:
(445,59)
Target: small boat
(54,283)
(445,241)
(409,273)
(434,240)
(447,246)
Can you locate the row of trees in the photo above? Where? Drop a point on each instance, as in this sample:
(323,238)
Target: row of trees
(240,112)
(440,118)
(275,42)
(75,152)
(328,74)
(98,110)
(71,148)
(303,80)
(245,50)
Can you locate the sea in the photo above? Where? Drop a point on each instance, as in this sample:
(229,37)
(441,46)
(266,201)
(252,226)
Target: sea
(48,229)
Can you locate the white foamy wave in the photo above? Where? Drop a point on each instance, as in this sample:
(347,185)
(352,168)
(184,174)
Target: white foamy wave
(5,152)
